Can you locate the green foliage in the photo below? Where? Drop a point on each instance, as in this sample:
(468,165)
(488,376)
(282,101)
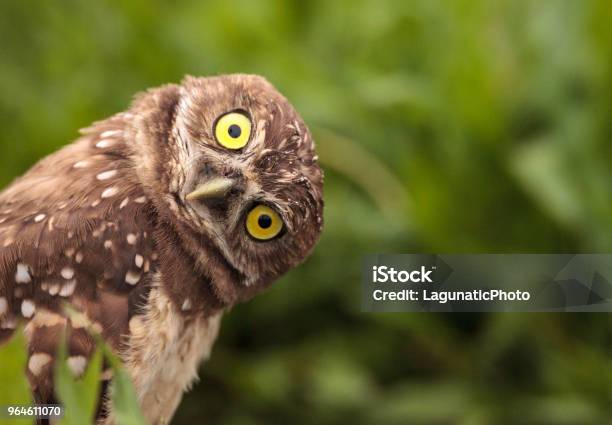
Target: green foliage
(14,389)
(79,396)
(443,126)
(123,396)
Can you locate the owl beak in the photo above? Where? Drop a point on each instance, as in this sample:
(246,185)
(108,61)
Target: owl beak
(212,189)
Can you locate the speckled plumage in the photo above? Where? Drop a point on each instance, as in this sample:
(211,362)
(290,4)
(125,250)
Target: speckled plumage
(104,224)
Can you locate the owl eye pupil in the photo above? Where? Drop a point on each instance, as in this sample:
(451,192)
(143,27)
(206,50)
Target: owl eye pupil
(234,131)
(264,221)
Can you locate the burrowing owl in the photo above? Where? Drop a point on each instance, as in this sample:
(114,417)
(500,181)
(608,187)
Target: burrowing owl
(151,225)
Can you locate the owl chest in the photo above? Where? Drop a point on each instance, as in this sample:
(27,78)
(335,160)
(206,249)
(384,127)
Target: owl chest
(164,354)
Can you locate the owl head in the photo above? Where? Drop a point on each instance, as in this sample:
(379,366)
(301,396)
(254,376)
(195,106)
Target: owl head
(232,170)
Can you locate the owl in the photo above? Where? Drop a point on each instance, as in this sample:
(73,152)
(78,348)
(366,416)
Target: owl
(150,226)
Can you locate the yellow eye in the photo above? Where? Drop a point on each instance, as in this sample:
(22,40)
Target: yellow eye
(263,223)
(233,130)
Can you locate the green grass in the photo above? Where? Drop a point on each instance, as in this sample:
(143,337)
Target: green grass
(79,396)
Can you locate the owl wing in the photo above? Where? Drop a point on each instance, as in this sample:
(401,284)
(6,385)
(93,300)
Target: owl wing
(75,230)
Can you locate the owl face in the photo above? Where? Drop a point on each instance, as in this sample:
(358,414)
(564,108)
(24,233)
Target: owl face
(240,175)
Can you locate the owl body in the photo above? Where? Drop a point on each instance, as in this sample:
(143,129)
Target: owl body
(165,352)
(150,226)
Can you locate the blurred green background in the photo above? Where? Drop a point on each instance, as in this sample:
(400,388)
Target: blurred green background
(443,126)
